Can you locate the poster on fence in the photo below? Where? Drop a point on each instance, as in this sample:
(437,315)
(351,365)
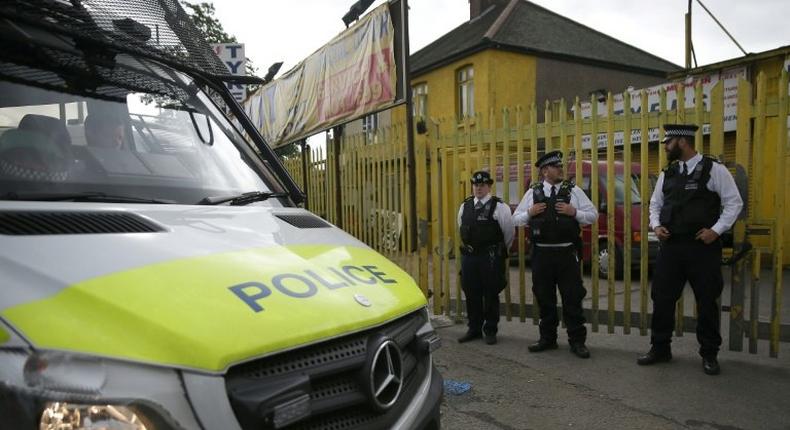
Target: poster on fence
(728,77)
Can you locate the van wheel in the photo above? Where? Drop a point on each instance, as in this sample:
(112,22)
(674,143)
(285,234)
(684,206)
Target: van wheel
(603,261)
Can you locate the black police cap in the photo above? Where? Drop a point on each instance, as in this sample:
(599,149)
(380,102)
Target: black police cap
(549,158)
(481,177)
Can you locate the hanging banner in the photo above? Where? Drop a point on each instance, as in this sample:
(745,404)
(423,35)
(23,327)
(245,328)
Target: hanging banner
(351,76)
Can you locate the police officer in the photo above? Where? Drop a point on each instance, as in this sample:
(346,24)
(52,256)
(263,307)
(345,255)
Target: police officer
(694,202)
(486,233)
(555,208)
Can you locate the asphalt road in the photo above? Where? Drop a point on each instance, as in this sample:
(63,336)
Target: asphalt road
(512,388)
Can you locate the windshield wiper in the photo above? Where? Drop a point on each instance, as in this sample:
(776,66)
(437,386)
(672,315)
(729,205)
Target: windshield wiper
(241,199)
(81,197)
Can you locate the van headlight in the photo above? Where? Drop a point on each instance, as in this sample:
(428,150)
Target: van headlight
(58,390)
(62,415)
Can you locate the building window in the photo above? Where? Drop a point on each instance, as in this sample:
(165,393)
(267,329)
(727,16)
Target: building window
(419,94)
(370,125)
(466,92)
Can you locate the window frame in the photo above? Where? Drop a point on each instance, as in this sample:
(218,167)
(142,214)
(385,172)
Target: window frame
(465,92)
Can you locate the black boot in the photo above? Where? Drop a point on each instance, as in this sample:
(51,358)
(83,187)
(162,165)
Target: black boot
(470,335)
(580,350)
(654,356)
(542,345)
(710,365)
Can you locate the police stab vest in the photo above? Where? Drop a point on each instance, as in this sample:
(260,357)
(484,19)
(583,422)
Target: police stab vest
(479,229)
(688,203)
(551,227)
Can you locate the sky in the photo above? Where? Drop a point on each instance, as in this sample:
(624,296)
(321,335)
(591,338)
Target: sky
(291,30)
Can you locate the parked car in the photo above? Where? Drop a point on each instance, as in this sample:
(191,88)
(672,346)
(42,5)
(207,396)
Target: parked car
(603,253)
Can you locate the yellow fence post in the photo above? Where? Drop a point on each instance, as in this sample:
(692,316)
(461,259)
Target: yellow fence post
(594,191)
(680,92)
(533,152)
(611,206)
(644,180)
(506,198)
(436,198)
(579,160)
(627,202)
(520,234)
(742,149)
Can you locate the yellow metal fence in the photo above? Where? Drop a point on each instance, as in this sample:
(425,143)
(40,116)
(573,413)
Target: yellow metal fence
(360,184)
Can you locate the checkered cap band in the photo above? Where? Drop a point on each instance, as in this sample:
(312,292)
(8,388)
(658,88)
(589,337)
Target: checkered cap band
(550,160)
(678,132)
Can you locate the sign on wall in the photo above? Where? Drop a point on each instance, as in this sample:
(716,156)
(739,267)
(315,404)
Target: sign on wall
(232,54)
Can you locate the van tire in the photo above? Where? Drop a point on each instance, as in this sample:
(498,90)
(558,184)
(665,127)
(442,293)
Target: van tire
(603,263)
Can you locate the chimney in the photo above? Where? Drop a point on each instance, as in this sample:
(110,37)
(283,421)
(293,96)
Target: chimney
(476,7)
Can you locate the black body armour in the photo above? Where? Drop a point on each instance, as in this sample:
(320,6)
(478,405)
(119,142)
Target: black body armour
(479,230)
(551,227)
(688,203)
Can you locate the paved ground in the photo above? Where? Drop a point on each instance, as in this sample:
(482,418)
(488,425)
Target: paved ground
(515,389)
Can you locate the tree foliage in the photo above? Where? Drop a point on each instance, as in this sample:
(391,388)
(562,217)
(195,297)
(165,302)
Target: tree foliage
(202,15)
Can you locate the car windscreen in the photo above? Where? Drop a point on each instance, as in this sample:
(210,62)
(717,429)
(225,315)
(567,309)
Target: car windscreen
(161,140)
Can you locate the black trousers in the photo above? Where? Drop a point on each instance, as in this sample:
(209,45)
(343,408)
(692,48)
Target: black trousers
(680,261)
(552,269)
(482,279)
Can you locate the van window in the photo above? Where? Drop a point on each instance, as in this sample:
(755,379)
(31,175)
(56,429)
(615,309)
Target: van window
(163,140)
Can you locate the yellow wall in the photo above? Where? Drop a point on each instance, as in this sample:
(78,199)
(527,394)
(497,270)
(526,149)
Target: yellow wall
(501,79)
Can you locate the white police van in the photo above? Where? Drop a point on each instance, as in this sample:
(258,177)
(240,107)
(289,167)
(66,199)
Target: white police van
(155,270)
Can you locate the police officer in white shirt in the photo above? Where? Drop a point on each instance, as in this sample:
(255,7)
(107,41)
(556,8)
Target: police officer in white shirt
(486,233)
(555,209)
(695,201)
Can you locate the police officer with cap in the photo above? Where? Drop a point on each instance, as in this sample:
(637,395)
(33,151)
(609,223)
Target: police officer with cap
(694,202)
(486,233)
(555,209)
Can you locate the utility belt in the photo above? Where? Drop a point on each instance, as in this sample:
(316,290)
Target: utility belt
(555,247)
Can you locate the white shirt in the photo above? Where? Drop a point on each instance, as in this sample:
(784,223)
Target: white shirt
(721,182)
(586,213)
(501,215)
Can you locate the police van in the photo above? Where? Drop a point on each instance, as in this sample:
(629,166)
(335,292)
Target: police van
(156,271)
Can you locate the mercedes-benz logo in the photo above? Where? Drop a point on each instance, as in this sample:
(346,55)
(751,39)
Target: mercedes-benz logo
(385,375)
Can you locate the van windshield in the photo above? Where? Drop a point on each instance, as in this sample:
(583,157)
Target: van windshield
(138,130)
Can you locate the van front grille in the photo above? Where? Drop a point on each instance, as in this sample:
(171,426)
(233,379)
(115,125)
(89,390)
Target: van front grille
(331,374)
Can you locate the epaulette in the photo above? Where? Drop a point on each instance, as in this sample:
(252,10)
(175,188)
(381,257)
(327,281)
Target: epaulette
(713,158)
(537,186)
(497,199)
(469,198)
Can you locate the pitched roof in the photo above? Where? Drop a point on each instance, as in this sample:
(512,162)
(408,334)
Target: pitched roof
(526,27)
